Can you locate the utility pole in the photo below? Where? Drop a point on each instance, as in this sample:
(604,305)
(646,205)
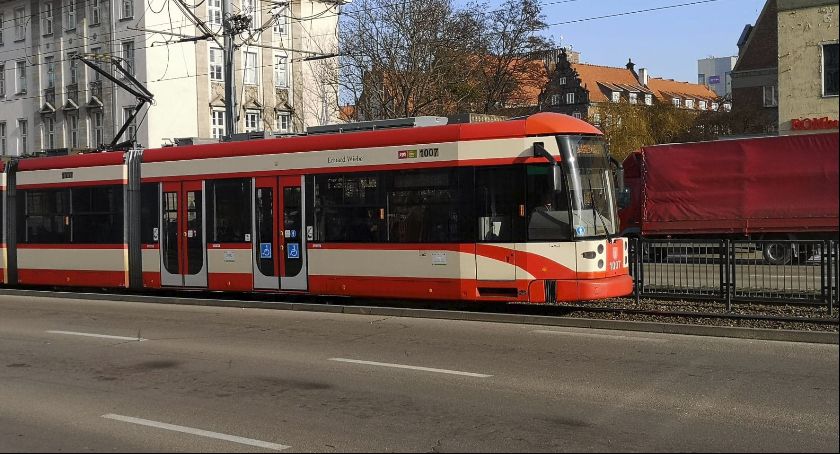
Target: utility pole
(231,103)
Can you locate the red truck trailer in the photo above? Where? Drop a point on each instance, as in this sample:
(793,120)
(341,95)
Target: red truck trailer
(764,189)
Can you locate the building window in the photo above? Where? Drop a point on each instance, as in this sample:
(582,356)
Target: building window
(771,96)
(96,120)
(251,68)
(677,102)
(73,131)
(95,12)
(596,119)
(555,100)
(727,106)
(95,76)
(131,132)
(616,96)
(570,98)
(217,59)
(634,98)
(689,103)
(648,100)
(3,149)
(47,18)
(128,56)
(49,133)
(249,8)
(280,77)
(281,22)
(74,68)
(252,121)
(20,24)
(23,129)
(50,61)
(831,77)
(715,106)
(127,9)
(214,12)
(701,79)
(284,122)
(2,80)
(562,81)
(2,21)
(217,124)
(576,115)
(20,69)
(71,14)
(702,105)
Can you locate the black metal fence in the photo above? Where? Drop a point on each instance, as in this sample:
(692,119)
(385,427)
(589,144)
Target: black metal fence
(736,270)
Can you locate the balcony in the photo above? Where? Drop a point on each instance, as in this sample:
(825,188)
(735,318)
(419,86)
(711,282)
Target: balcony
(95,94)
(49,102)
(72,94)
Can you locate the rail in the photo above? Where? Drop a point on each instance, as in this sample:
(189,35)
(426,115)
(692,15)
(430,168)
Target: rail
(733,271)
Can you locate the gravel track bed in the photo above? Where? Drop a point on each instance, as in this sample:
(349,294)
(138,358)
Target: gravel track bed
(714,307)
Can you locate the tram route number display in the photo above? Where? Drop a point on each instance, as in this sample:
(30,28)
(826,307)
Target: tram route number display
(421,153)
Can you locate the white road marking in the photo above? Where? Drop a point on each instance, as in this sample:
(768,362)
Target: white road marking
(199,432)
(103,336)
(600,336)
(403,366)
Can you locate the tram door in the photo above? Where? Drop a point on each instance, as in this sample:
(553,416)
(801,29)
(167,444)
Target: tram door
(183,247)
(279,246)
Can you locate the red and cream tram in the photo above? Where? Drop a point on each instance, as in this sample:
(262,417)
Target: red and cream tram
(521,210)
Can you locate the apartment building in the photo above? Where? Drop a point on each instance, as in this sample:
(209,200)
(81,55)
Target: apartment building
(52,102)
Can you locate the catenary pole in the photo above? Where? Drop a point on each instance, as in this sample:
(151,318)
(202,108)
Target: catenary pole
(231,104)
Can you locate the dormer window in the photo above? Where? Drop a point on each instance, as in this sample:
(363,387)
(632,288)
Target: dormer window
(648,100)
(715,106)
(616,96)
(634,98)
(702,105)
(677,102)
(689,103)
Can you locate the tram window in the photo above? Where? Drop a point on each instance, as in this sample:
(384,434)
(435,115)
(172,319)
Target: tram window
(229,211)
(548,210)
(149,213)
(45,216)
(97,215)
(2,219)
(349,208)
(498,196)
(424,206)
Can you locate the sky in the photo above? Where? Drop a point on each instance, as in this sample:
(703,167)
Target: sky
(667,42)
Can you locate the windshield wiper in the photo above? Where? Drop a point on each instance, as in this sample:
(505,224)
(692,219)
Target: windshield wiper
(595,212)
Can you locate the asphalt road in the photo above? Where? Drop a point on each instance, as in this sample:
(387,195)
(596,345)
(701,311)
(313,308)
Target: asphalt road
(304,381)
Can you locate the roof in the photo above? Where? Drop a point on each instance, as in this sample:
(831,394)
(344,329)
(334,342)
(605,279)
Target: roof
(593,77)
(667,89)
(544,123)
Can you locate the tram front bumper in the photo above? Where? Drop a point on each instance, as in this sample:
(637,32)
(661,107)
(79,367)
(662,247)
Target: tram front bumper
(594,289)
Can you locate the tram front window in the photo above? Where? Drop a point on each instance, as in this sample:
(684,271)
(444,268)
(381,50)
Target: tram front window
(588,174)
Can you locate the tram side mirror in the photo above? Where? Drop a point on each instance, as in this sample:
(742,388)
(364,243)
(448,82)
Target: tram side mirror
(623,198)
(556,172)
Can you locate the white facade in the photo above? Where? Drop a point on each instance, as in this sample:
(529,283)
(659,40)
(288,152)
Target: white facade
(66,109)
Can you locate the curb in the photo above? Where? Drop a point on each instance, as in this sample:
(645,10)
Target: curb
(816,337)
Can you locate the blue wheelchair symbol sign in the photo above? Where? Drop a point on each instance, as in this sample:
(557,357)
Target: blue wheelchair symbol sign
(293,250)
(580,230)
(265,250)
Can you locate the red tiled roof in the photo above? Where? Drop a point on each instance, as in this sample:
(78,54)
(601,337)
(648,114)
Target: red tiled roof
(666,89)
(591,75)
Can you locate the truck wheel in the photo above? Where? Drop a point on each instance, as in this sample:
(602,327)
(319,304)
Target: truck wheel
(777,253)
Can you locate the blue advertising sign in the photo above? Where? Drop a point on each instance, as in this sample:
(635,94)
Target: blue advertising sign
(265,250)
(714,80)
(293,250)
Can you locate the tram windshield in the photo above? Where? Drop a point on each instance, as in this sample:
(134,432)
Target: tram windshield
(588,177)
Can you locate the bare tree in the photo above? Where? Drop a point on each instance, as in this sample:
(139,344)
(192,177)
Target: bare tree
(403,59)
(511,61)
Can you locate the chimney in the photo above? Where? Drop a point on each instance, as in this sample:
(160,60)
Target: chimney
(643,76)
(630,64)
